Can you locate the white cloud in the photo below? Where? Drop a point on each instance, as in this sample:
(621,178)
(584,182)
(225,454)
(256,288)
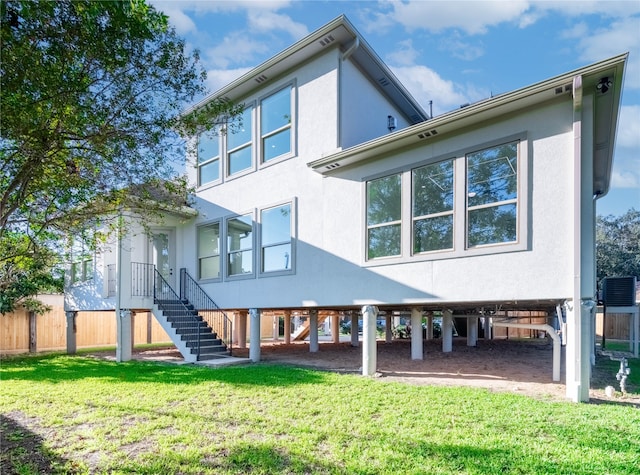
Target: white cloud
(236,48)
(427,85)
(464,50)
(629,128)
(218,78)
(180,20)
(625,179)
(404,55)
(264,21)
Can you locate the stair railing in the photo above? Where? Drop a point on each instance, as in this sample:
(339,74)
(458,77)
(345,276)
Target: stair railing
(164,296)
(206,307)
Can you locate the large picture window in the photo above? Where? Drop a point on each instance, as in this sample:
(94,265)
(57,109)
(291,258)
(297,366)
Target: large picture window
(275,227)
(384,210)
(432,210)
(275,125)
(492,195)
(208,157)
(239,143)
(240,245)
(209,251)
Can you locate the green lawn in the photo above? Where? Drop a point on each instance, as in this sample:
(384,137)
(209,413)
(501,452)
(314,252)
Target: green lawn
(63,414)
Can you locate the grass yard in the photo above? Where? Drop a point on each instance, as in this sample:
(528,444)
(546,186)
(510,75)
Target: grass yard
(66,414)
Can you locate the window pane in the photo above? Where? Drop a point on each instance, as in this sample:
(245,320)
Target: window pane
(383,241)
(276,145)
(240,160)
(88,269)
(240,233)
(276,111)
(433,189)
(492,175)
(433,234)
(240,262)
(210,267)
(209,172)
(496,224)
(239,131)
(276,225)
(276,258)
(208,146)
(209,240)
(384,200)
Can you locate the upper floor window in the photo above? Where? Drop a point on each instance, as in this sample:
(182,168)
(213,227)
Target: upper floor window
(240,245)
(432,210)
(239,143)
(492,195)
(275,239)
(209,251)
(81,260)
(208,157)
(275,124)
(384,210)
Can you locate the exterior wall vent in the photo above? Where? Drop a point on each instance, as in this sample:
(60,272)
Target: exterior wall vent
(260,79)
(619,291)
(327,40)
(333,166)
(561,89)
(428,133)
(383,81)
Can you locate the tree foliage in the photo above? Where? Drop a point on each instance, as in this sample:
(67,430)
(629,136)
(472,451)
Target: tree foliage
(92,94)
(618,245)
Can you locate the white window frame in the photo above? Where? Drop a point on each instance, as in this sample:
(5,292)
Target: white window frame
(291,126)
(291,241)
(209,160)
(251,143)
(220,253)
(228,252)
(401,176)
(82,266)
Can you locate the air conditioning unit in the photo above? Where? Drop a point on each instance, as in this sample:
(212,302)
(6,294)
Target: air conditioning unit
(619,291)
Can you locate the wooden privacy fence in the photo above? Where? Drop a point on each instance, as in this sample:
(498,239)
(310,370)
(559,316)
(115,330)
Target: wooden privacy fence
(23,333)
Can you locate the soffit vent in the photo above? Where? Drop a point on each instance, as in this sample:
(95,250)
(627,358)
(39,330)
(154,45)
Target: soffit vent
(563,89)
(327,40)
(260,79)
(333,166)
(428,133)
(416,118)
(383,81)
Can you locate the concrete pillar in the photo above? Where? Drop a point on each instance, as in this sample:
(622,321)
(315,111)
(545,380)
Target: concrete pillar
(447,331)
(241,326)
(124,340)
(388,331)
(416,334)
(71,332)
(313,331)
(578,350)
(276,326)
(488,331)
(254,340)
(355,338)
(369,349)
(430,327)
(472,331)
(335,327)
(287,327)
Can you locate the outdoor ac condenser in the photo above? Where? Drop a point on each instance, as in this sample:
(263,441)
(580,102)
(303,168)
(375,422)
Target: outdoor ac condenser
(619,291)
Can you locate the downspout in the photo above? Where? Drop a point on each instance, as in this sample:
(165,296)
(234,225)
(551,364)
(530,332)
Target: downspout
(351,49)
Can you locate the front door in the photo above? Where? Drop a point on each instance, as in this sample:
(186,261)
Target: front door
(163,253)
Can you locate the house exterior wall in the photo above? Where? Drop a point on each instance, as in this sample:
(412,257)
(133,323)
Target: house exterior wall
(363,110)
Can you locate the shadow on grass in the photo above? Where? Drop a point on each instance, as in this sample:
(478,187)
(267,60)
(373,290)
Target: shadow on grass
(22,451)
(63,368)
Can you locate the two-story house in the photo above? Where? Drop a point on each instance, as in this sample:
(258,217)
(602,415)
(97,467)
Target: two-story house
(334,193)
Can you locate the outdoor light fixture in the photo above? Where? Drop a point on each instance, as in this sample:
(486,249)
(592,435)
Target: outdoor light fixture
(391,123)
(604,85)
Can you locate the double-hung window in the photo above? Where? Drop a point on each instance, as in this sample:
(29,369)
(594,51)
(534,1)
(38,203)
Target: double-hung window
(275,125)
(208,157)
(240,143)
(209,251)
(275,238)
(432,209)
(384,210)
(81,260)
(240,245)
(492,195)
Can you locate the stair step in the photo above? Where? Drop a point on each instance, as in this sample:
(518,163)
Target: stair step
(204,343)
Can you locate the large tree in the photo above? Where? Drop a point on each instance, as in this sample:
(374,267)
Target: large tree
(618,245)
(92,94)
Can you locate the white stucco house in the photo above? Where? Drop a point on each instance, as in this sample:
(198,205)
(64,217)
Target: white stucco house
(336,193)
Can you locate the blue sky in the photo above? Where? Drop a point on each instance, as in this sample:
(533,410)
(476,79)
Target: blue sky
(449,52)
